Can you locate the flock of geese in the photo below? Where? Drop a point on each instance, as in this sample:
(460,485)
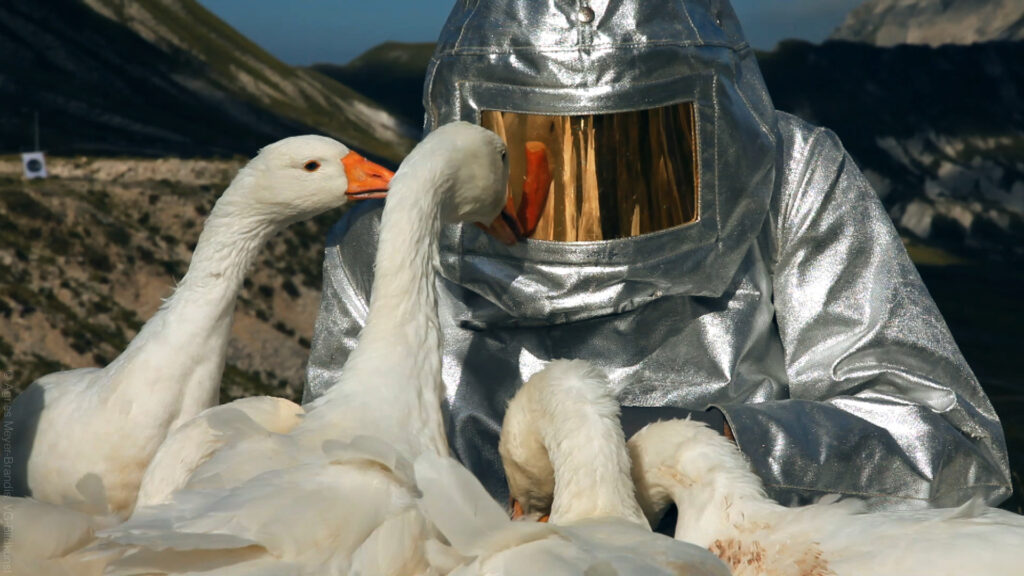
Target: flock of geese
(132,469)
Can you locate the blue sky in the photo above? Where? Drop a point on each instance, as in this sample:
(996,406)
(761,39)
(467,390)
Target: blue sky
(307,31)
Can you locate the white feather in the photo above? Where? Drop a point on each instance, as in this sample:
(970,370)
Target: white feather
(195,441)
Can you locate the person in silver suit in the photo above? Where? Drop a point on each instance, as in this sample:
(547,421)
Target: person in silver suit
(716,257)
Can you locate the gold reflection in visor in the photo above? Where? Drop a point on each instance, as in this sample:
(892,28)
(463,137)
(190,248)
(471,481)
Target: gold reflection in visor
(600,177)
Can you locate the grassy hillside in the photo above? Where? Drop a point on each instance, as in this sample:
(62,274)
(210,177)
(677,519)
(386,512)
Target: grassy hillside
(87,256)
(165,77)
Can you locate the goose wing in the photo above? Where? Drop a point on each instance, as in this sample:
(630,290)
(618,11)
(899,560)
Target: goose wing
(312,514)
(193,443)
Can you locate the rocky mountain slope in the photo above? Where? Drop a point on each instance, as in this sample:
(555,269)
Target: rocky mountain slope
(939,131)
(156,77)
(87,255)
(933,22)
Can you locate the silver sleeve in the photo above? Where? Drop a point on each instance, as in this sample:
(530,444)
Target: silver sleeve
(882,403)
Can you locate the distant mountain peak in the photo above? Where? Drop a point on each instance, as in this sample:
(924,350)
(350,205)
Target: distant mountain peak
(933,22)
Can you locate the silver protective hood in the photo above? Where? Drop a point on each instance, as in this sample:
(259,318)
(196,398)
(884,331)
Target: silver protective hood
(567,57)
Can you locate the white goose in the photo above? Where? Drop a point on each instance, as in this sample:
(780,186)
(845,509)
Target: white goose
(722,505)
(564,453)
(335,494)
(101,426)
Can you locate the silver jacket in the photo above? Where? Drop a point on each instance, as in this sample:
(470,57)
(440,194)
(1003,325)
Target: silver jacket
(791,305)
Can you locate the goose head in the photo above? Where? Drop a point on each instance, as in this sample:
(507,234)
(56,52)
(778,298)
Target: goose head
(563,449)
(470,167)
(698,469)
(528,468)
(299,177)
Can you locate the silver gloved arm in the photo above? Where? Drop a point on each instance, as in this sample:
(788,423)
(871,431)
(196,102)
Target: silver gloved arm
(882,404)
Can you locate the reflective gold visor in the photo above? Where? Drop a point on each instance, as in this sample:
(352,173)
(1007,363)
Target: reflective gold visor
(599,177)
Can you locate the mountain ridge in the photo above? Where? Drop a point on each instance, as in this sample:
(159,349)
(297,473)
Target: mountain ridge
(388,73)
(946,158)
(156,77)
(933,22)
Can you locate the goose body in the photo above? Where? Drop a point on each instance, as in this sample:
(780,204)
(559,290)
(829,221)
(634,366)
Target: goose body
(102,426)
(335,493)
(564,454)
(309,517)
(722,505)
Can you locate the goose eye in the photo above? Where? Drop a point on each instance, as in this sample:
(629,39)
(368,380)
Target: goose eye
(312,166)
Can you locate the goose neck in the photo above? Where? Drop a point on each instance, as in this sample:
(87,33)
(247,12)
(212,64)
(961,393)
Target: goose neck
(195,320)
(397,362)
(707,479)
(227,248)
(407,255)
(581,432)
(708,513)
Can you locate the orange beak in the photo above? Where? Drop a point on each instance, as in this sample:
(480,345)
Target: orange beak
(520,223)
(517,512)
(535,187)
(504,228)
(365,179)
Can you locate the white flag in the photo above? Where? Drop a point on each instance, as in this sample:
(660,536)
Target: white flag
(34,164)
